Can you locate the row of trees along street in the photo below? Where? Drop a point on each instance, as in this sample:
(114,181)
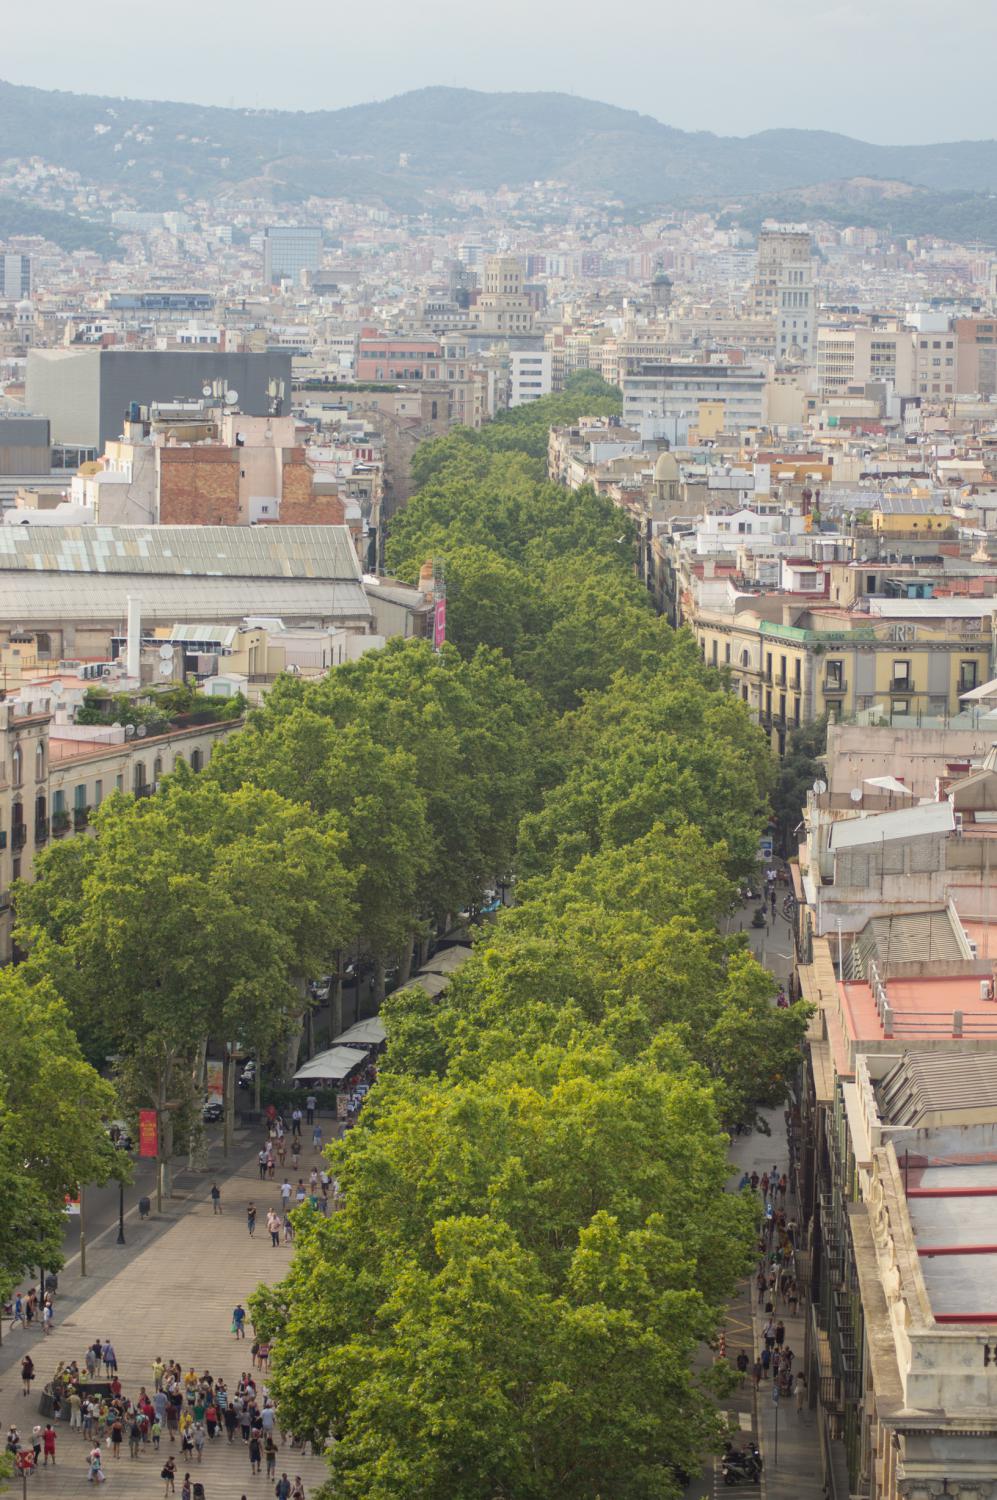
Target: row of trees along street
(535,1239)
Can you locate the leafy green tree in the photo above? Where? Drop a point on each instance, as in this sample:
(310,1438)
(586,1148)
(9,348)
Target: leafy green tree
(192,914)
(509,1253)
(798,771)
(53,1106)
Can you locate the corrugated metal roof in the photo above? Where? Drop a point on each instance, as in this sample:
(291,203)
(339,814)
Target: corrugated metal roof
(924,1083)
(905,937)
(904,823)
(35,598)
(209,551)
(908,505)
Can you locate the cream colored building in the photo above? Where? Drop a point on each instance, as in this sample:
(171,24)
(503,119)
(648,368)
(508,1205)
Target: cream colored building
(501,307)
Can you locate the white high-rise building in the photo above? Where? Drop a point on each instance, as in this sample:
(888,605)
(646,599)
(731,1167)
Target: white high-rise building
(15,277)
(784,290)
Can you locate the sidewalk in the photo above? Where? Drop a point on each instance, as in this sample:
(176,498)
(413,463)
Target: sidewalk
(173,1296)
(788,1440)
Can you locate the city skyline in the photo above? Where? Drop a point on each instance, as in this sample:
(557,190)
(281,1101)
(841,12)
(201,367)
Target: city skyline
(772,66)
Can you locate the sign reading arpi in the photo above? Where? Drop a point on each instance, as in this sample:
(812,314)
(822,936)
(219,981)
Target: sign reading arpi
(148,1133)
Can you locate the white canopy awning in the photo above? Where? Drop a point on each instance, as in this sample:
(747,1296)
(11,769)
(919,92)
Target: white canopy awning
(985,690)
(369,1033)
(334,1063)
(888,784)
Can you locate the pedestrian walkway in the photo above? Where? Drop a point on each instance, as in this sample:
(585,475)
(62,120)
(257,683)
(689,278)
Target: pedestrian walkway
(173,1298)
(788,1439)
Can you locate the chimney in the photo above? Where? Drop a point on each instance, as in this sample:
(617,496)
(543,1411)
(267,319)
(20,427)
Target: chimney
(134,657)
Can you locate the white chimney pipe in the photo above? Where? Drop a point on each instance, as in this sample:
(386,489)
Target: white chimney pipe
(134,659)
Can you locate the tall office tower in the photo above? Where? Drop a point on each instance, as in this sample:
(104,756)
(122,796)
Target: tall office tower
(289,249)
(783,289)
(15,277)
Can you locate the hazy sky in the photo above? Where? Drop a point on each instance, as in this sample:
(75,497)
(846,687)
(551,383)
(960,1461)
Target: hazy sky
(886,70)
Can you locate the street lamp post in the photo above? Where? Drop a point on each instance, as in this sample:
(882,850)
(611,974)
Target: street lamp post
(121,1210)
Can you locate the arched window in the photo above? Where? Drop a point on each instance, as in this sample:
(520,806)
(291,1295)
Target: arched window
(195,760)
(157,770)
(39,761)
(16,765)
(745,659)
(138,777)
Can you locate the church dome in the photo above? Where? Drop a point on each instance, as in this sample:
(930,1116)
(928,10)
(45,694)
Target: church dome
(666,470)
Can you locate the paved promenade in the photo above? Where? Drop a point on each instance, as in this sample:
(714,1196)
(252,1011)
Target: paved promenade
(171,1296)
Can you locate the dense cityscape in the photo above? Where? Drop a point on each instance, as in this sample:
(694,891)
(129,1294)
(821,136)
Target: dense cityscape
(498,766)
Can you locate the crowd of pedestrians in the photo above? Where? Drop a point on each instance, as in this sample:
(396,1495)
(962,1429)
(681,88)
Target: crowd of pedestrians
(175,1416)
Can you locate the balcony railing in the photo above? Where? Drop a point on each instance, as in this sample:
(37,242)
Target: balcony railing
(41,830)
(834,685)
(81,817)
(19,835)
(60,823)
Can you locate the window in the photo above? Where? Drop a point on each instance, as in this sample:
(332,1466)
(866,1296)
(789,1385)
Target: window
(834,679)
(727,651)
(900,706)
(15,765)
(713,653)
(157,770)
(39,762)
(119,782)
(98,793)
(43,641)
(195,760)
(138,776)
(80,796)
(967,676)
(901,674)
(58,802)
(745,659)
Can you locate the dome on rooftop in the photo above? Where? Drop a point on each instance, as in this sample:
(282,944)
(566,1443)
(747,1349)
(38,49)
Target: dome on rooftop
(666,470)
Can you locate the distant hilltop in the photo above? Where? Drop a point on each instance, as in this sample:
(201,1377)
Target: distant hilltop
(404,151)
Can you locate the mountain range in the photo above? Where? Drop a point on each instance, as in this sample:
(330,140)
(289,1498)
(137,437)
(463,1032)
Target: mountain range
(407,150)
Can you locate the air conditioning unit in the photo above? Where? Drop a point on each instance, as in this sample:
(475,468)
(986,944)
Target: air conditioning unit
(986,989)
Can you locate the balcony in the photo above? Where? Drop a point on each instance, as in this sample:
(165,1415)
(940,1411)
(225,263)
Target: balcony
(81,817)
(19,835)
(903,687)
(60,824)
(41,831)
(145,790)
(831,686)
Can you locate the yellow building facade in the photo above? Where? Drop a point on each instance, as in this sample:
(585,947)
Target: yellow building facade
(903,670)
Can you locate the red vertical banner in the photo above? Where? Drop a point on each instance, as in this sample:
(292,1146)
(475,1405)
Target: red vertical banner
(439,623)
(148,1133)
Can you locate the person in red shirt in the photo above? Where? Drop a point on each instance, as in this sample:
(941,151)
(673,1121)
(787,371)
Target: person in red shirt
(48,1444)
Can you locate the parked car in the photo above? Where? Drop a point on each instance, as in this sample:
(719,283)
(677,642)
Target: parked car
(213,1109)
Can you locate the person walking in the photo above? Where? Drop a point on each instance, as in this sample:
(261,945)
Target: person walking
(48,1444)
(298,1492)
(296,1122)
(800,1392)
(216,1198)
(239,1321)
(282,1489)
(48,1316)
(117,1433)
(169,1473)
(251,1219)
(270,1454)
(95,1467)
(27,1373)
(255,1454)
(262,1161)
(757,1372)
(317,1139)
(274,1226)
(186,1492)
(311,1104)
(285,1194)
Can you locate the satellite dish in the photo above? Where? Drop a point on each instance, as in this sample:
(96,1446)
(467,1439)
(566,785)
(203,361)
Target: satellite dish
(820,787)
(856,794)
(166,653)
(166,669)
(141,731)
(231,397)
(129,731)
(205,390)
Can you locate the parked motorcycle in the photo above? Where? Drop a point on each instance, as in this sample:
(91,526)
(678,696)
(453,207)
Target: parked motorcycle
(742,1467)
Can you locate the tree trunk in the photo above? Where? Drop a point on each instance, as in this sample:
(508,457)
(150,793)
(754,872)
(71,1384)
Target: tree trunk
(297,1031)
(378,985)
(407,960)
(228,1099)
